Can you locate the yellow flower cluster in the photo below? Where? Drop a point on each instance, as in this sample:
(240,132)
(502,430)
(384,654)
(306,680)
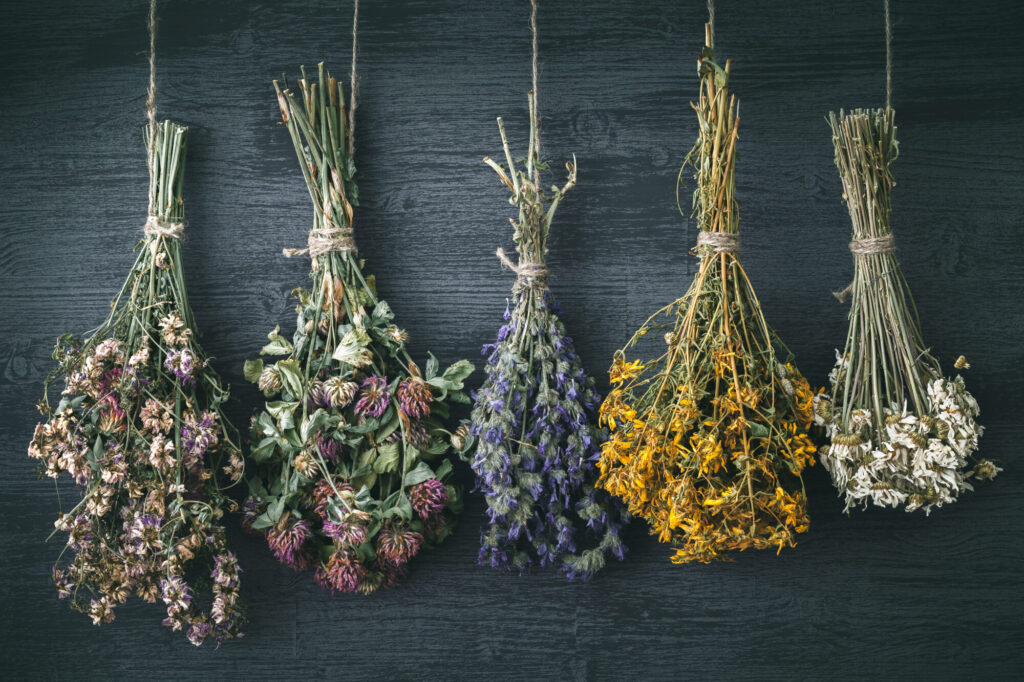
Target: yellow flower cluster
(711,468)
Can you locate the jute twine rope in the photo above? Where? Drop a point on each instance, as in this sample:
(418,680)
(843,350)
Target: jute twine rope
(529,274)
(718,242)
(711,23)
(151,100)
(353,86)
(860,248)
(155,227)
(323,240)
(888,57)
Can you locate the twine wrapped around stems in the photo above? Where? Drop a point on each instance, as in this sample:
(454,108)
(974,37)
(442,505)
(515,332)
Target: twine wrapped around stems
(323,240)
(155,227)
(530,274)
(718,242)
(866,247)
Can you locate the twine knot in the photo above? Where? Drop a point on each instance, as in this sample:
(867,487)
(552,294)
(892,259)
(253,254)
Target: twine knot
(155,227)
(870,245)
(866,247)
(530,274)
(323,240)
(718,242)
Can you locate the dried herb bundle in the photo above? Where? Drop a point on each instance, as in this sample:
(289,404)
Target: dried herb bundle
(901,434)
(140,429)
(353,475)
(536,445)
(708,439)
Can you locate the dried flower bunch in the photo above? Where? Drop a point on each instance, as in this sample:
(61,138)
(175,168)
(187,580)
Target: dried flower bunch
(708,439)
(139,428)
(901,433)
(536,443)
(353,476)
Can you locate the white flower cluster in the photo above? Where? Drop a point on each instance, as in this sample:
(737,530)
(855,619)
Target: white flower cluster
(920,461)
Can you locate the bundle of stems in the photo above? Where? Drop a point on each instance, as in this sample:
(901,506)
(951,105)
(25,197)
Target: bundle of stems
(901,434)
(537,442)
(708,438)
(353,478)
(139,427)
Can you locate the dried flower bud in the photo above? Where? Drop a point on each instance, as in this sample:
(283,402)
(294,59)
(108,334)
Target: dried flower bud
(459,438)
(270,380)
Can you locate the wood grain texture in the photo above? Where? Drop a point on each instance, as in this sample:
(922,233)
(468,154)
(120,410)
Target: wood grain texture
(876,595)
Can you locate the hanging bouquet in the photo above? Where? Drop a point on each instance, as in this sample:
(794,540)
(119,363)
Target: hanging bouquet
(535,445)
(901,433)
(139,428)
(353,478)
(709,437)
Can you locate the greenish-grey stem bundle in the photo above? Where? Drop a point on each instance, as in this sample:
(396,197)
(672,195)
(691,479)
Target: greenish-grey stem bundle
(353,467)
(902,434)
(139,428)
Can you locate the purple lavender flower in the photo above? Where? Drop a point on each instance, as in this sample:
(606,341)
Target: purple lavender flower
(183,364)
(539,488)
(373,396)
(428,498)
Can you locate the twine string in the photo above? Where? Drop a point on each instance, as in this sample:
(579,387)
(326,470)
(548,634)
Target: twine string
(861,248)
(528,273)
(323,240)
(535,114)
(711,23)
(717,242)
(155,227)
(888,57)
(151,100)
(353,85)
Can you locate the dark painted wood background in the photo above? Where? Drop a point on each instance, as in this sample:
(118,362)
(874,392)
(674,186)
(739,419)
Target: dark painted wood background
(880,594)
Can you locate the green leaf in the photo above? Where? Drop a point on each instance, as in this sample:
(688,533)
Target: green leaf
(759,431)
(443,469)
(460,397)
(401,508)
(387,458)
(291,377)
(278,344)
(350,348)
(390,427)
(96,454)
(282,411)
(458,372)
(421,473)
(432,365)
(252,370)
(264,450)
(312,424)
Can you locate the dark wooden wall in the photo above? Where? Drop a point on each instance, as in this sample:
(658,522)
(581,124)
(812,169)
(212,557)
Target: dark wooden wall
(876,595)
